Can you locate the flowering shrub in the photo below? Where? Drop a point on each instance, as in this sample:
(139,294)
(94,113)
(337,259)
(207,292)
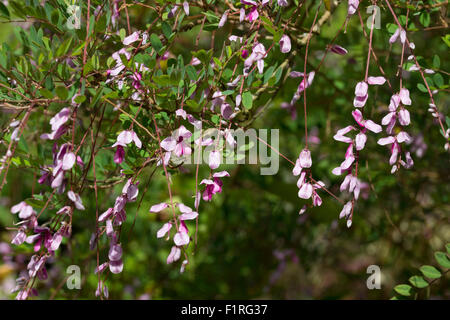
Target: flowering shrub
(98,101)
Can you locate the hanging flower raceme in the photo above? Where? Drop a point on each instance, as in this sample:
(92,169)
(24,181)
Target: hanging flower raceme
(181,236)
(307,187)
(115,216)
(398,111)
(63,161)
(305,83)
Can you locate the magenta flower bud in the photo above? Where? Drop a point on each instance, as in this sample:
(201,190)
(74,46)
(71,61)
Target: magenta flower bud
(338,50)
(285,44)
(119,155)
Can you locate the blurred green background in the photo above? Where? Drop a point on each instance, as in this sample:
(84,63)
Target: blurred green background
(252,243)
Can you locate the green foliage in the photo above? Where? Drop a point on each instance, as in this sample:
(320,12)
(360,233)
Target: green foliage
(430,272)
(245,229)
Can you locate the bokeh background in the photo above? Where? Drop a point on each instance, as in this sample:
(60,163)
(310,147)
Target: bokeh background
(252,242)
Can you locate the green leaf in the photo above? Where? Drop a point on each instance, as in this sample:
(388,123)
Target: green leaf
(421,87)
(436,62)
(447,246)
(215,119)
(418,282)
(62,92)
(425,19)
(438,80)
(166,29)
(80,99)
(247,100)
(403,289)
(156,43)
(191,73)
(4,10)
(446,39)
(442,259)
(46,93)
(64,47)
(430,272)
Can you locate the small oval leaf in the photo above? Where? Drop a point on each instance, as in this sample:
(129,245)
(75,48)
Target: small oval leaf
(430,272)
(418,282)
(403,289)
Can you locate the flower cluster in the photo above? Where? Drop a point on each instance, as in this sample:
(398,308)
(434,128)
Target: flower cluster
(351,183)
(307,186)
(181,237)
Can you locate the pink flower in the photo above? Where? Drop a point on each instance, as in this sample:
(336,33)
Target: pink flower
(366,124)
(177,142)
(258,54)
(123,139)
(395,142)
(181,238)
(305,191)
(115,258)
(361,94)
(58,125)
(404,97)
(158,207)
(126,137)
(376,80)
(352,6)
(19,238)
(42,236)
(130,190)
(25,210)
(174,255)
(164,230)
(285,44)
(403,117)
(399,32)
(119,67)
(186,7)
(340,134)
(131,38)
(352,184)
(345,165)
(119,155)
(187,212)
(76,199)
(223,19)
(214,159)
(346,210)
(213,186)
(303,161)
